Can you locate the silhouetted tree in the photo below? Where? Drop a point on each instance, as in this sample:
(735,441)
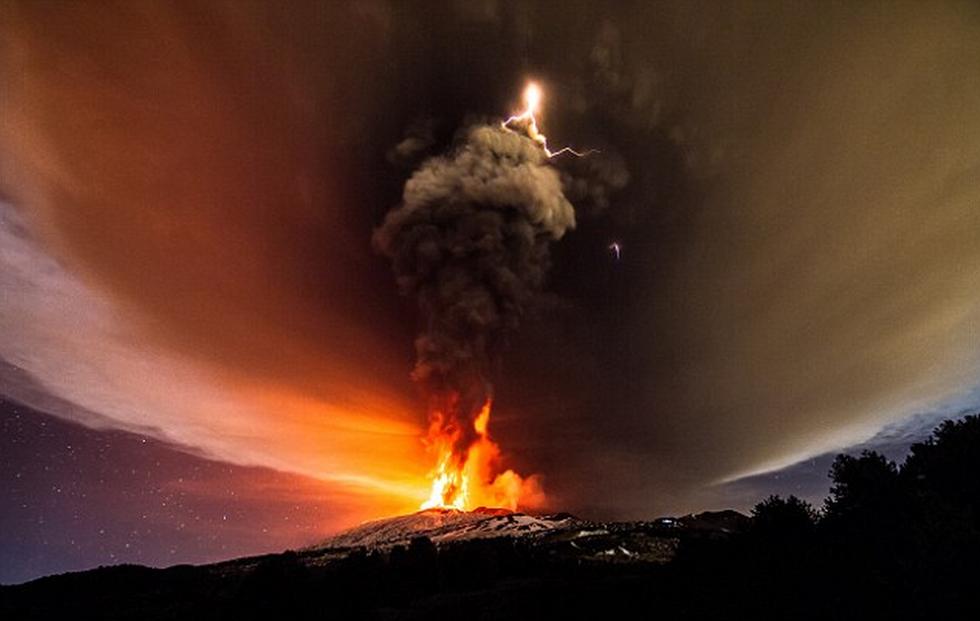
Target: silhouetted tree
(870,521)
(778,558)
(948,465)
(784,520)
(944,472)
(865,488)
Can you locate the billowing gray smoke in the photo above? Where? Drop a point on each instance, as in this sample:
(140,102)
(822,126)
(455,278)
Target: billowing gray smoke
(470,243)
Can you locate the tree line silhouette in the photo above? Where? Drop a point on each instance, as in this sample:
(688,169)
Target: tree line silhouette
(891,542)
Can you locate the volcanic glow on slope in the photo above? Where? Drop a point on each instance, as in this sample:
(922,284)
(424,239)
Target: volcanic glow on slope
(469,479)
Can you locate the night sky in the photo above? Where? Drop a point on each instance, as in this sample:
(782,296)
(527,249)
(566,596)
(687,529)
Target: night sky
(202,356)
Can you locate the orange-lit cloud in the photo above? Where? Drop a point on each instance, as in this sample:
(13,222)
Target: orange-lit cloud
(83,348)
(174,258)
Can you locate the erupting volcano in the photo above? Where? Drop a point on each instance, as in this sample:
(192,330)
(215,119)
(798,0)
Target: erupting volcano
(468,478)
(470,244)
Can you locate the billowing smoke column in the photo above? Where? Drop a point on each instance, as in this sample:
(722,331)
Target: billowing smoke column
(470,242)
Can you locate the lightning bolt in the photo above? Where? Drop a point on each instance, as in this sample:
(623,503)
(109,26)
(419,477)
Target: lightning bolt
(527,121)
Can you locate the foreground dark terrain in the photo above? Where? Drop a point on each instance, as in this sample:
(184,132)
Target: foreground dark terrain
(890,543)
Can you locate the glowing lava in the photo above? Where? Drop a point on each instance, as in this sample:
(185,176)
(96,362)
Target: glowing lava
(470,478)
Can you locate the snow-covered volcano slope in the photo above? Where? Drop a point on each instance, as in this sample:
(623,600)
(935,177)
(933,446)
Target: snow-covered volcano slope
(450,525)
(556,537)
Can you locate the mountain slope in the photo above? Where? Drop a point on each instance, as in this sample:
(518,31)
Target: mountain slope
(493,563)
(447,525)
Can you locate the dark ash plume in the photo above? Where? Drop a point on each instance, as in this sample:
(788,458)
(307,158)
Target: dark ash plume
(470,243)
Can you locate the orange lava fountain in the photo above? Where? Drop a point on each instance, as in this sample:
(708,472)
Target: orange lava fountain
(470,478)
